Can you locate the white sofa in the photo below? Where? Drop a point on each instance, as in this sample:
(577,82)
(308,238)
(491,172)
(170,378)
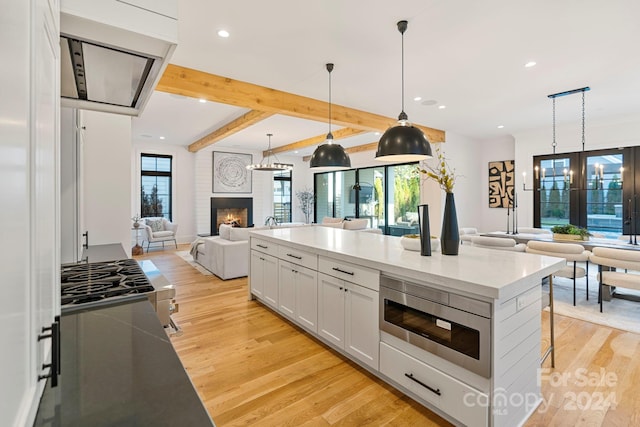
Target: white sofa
(227,254)
(358,224)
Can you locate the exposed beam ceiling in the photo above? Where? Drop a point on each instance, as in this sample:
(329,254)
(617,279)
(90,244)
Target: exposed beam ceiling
(198,84)
(230,128)
(338,134)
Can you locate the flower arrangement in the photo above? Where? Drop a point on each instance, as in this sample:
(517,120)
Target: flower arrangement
(441,173)
(136,220)
(306,198)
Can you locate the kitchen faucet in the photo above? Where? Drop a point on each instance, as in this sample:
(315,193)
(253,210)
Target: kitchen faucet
(271,220)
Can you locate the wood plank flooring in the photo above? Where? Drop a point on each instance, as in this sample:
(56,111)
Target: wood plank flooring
(251,367)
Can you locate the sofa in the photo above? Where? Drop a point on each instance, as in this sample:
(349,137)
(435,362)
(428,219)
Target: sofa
(227,254)
(357,224)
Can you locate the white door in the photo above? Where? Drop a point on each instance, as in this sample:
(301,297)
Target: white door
(256,277)
(270,280)
(362,336)
(331,309)
(286,289)
(307,298)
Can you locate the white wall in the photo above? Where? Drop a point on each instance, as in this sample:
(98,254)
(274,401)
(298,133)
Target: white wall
(621,131)
(106,146)
(183,185)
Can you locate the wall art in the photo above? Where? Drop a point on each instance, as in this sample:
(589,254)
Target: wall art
(230,173)
(501,184)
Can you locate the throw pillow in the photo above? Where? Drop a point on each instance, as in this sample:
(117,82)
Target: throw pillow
(155,224)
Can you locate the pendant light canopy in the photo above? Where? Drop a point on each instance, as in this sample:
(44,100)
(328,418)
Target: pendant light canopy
(266,164)
(403,142)
(330,156)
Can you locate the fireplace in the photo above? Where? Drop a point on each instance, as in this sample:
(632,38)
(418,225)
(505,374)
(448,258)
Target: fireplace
(227,210)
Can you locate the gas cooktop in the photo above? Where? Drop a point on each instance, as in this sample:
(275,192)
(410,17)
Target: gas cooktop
(82,283)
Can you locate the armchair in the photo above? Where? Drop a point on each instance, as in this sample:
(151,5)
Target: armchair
(158,230)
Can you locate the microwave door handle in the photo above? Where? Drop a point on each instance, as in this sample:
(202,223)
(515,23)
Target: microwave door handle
(431,389)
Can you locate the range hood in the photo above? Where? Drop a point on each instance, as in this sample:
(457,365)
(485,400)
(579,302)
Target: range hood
(113,52)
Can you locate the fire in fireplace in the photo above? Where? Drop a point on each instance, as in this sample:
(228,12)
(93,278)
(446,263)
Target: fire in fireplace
(226,210)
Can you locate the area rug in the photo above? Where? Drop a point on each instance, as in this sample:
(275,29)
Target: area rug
(618,313)
(185,255)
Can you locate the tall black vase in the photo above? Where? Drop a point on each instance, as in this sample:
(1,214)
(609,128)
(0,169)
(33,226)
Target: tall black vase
(450,238)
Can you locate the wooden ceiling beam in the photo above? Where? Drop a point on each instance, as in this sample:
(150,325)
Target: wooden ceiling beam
(230,128)
(315,140)
(198,84)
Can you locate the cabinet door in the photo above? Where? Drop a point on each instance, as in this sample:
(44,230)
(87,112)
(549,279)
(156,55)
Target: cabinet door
(270,280)
(362,336)
(256,278)
(286,289)
(307,298)
(331,309)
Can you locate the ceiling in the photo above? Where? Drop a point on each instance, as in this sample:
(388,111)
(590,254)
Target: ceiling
(467,55)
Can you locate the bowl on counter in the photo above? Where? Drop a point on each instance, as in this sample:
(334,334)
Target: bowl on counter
(411,242)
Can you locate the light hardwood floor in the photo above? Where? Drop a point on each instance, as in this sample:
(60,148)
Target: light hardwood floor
(251,367)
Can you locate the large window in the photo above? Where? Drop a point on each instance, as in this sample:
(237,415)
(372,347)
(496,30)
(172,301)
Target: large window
(155,196)
(588,189)
(282,196)
(387,196)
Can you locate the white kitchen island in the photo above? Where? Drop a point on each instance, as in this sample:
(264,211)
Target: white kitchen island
(327,281)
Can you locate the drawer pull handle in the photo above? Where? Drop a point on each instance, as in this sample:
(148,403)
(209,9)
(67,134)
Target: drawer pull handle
(262,246)
(350,273)
(294,256)
(436,391)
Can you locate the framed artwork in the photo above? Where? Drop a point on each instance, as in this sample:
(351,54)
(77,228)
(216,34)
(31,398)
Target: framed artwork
(501,184)
(230,173)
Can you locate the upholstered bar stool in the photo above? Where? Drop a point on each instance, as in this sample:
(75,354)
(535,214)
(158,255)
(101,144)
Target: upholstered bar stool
(500,243)
(612,258)
(572,252)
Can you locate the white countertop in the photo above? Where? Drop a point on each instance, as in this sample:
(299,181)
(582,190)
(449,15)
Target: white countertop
(484,272)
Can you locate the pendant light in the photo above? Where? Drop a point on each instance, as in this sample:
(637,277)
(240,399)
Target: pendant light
(330,156)
(403,142)
(266,165)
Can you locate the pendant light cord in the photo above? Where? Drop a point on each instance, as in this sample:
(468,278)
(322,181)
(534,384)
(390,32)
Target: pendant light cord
(330,135)
(582,120)
(402,27)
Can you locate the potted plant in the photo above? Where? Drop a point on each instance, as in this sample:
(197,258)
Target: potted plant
(570,232)
(136,221)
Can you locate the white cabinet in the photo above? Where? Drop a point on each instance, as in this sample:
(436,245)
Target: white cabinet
(264,278)
(348,318)
(297,296)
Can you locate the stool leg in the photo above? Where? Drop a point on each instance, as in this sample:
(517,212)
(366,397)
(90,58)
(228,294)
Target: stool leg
(551,331)
(587,264)
(574,283)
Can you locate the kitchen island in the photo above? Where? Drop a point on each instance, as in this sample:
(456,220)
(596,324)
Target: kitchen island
(327,281)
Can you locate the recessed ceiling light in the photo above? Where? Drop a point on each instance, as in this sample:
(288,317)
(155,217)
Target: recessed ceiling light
(223,33)
(295,152)
(442,107)
(417,98)
(530,64)
(500,126)
(202,101)
(429,102)
(162,137)
(376,133)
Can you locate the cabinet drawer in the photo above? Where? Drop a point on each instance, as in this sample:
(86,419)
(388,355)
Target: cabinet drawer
(297,256)
(353,273)
(264,246)
(466,404)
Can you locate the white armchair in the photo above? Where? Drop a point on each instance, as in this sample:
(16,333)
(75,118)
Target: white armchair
(158,230)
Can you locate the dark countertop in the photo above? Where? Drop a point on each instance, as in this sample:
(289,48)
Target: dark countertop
(119,369)
(103,253)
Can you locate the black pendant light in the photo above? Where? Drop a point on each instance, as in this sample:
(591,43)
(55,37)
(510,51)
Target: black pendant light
(330,156)
(403,142)
(266,164)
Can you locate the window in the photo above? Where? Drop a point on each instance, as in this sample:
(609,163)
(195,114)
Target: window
(387,196)
(155,176)
(282,196)
(587,189)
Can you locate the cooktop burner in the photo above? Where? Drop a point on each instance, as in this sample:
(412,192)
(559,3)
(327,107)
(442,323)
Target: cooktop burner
(82,283)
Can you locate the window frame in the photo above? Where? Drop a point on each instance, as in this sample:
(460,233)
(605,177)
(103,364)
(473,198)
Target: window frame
(156,173)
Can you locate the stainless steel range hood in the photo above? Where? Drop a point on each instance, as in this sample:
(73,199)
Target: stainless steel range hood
(113,52)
